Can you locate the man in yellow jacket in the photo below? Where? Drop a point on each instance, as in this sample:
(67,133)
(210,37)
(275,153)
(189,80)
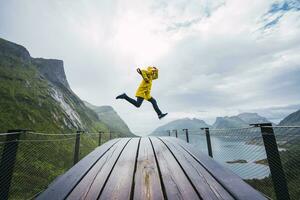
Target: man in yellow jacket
(143,92)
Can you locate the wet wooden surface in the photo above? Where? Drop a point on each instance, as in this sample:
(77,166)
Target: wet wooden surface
(93,182)
(147,183)
(207,186)
(148,168)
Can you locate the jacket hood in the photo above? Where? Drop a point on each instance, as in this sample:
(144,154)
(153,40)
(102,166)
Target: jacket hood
(150,69)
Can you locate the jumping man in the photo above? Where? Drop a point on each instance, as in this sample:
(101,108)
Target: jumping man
(143,92)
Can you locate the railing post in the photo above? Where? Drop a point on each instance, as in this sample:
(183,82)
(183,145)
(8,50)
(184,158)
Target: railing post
(169,132)
(110,136)
(8,160)
(76,148)
(176,135)
(100,138)
(186,134)
(273,156)
(208,142)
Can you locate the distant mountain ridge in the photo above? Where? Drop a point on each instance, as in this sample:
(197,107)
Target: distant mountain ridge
(229,122)
(252,118)
(192,124)
(241,120)
(111,118)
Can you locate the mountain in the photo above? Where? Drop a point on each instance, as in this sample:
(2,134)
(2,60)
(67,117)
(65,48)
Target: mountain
(291,120)
(229,122)
(35,94)
(111,118)
(252,118)
(191,124)
(241,120)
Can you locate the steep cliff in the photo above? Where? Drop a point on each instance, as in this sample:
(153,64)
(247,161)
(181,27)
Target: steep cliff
(52,70)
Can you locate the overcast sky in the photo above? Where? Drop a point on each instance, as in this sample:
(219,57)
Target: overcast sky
(215,59)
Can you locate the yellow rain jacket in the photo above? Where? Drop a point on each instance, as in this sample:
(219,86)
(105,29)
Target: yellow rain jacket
(145,87)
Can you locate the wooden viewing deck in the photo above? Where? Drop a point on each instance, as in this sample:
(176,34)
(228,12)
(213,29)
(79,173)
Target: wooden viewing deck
(148,168)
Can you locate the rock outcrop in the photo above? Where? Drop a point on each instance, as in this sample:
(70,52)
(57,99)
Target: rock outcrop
(10,50)
(52,70)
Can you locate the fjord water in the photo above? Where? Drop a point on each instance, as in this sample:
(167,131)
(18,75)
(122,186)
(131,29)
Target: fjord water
(233,149)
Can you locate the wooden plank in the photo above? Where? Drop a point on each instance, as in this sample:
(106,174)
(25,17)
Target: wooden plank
(120,181)
(206,185)
(91,184)
(238,188)
(147,182)
(177,185)
(60,187)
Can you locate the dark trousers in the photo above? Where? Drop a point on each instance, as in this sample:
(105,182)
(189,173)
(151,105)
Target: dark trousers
(138,102)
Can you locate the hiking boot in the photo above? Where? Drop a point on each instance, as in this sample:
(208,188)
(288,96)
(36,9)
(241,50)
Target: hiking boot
(121,96)
(162,115)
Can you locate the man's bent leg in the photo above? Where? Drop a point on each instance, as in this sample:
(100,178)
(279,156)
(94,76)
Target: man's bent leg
(155,106)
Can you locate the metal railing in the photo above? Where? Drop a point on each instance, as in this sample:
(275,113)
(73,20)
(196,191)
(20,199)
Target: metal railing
(30,161)
(265,156)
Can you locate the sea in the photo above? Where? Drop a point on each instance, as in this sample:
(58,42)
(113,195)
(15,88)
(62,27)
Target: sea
(227,149)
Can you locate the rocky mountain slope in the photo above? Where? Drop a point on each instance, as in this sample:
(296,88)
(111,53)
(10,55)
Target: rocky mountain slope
(291,120)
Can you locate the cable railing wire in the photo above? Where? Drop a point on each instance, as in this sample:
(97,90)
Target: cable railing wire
(41,157)
(242,150)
